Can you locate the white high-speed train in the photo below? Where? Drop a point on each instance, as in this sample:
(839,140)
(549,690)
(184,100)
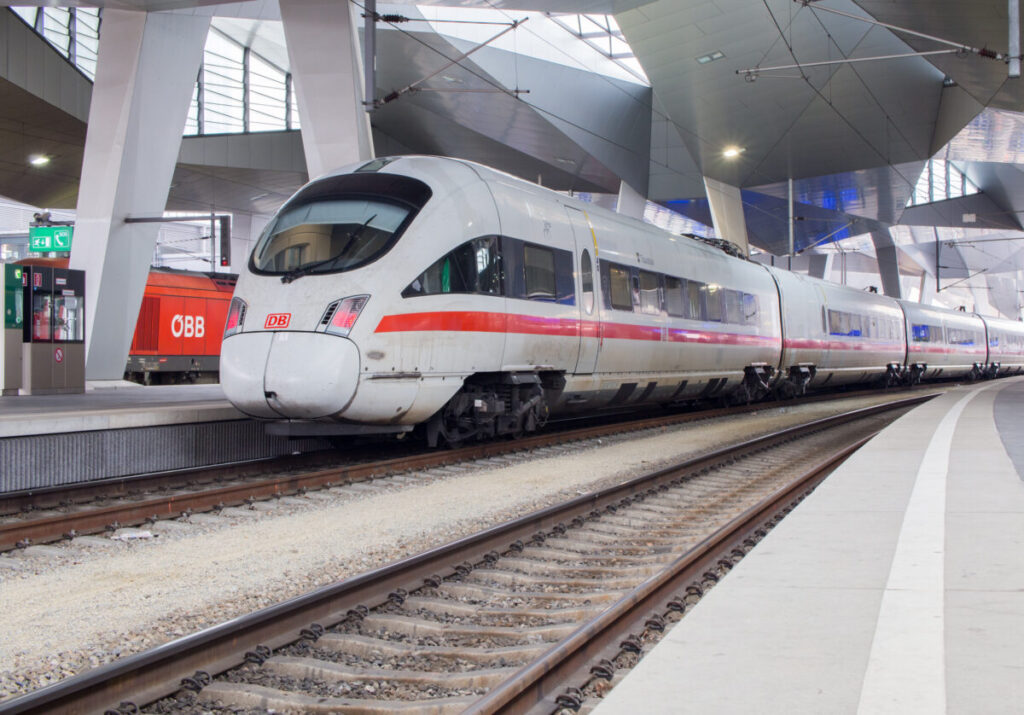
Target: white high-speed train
(425,290)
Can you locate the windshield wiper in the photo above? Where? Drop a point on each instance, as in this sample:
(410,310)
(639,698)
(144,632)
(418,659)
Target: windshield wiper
(310,267)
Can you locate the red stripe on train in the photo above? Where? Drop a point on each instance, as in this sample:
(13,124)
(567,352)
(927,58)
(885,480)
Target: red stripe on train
(482,322)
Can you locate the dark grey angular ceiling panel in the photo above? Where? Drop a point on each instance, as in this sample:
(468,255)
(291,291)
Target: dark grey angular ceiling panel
(1003,183)
(204,188)
(993,136)
(30,125)
(880,194)
(469,97)
(978,23)
(799,122)
(609,119)
(981,210)
(421,129)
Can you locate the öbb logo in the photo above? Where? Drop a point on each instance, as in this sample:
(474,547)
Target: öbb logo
(277,321)
(191,326)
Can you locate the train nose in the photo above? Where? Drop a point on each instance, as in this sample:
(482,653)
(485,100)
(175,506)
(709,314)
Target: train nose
(292,375)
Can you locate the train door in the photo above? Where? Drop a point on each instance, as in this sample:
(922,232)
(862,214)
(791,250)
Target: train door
(830,331)
(589,291)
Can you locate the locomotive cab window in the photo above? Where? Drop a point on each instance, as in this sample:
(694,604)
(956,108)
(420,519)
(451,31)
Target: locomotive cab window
(328,236)
(473,267)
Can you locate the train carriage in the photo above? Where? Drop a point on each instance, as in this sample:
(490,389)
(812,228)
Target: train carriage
(837,335)
(1005,347)
(943,343)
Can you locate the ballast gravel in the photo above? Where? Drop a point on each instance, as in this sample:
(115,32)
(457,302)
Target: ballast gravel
(83,603)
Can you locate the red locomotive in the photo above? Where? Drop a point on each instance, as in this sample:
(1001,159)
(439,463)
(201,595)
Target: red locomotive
(180,326)
(181,322)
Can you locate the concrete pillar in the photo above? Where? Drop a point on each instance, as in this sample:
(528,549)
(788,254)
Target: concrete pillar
(927,288)
(144,78)
(323,49)
(887,255)
(631,202)
(727,212)
(820,265)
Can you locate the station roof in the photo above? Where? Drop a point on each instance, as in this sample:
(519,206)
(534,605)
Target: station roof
(853,132)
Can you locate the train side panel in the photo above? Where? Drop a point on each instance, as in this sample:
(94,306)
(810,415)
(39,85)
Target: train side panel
(1005,346)
(538,250)
(944,343)
(839,334)
(180,326)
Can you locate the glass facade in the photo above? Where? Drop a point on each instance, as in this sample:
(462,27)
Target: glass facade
(73,31)
(940,180)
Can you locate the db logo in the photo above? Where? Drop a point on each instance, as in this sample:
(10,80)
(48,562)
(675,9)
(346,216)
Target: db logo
(191,326)
(277,320)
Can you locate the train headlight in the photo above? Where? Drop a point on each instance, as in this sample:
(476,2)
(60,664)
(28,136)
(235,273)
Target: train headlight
(236,317)
(341,315)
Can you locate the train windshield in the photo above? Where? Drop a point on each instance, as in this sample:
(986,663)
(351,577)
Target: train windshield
(328,236)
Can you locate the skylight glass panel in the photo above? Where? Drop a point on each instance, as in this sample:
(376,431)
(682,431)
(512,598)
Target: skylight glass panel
(941,180)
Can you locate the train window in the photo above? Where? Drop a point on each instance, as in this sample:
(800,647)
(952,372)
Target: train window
(488,265)
(856,326)
(696,306)
(540,272)
(713,302)
(963,336)
(927,333)
(733,307)
(473,267)
(616,287)
(587,282)
(836,324)
(328,236)
(675,296)
(650,293)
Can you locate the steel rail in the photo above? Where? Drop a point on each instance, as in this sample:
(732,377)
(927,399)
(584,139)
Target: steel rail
(98,519)
(156,673)
(568,662)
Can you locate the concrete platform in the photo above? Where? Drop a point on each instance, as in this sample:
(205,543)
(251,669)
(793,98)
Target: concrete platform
(114,409)
(897,587)
(51,440)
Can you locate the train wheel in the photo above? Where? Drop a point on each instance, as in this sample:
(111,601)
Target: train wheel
(449,427)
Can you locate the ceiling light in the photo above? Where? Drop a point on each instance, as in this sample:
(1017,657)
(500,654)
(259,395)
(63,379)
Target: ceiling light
(39,160)
(731,152)
(710,57)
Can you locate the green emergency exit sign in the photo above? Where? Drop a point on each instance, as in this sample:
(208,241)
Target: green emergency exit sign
(43,239)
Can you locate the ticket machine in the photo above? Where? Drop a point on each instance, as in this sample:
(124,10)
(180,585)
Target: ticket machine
(53,332)
(13,304)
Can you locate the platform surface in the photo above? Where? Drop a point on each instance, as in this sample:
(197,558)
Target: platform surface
(896,587)
(104,409)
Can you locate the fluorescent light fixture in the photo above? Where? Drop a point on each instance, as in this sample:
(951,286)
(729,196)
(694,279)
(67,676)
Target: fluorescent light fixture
(710,57)
(731,152)
(39,160)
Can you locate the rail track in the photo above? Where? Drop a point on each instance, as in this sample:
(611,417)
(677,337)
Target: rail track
(537,614)
(51,514)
